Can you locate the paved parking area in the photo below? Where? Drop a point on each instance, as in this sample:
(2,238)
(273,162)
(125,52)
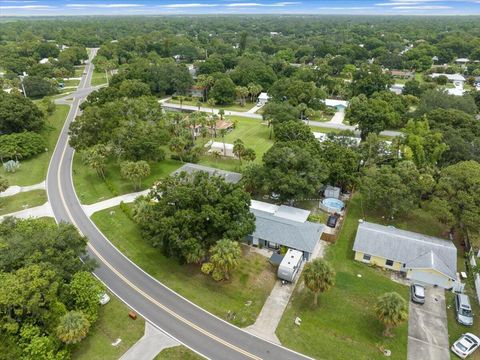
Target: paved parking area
(427,328)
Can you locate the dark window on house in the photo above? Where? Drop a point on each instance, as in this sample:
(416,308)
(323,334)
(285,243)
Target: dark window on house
(389,263)
(367,257)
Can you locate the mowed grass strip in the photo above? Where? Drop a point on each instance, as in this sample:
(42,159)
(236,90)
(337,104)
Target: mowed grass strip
(22,201)
(232,107)
(251,281)
(34,170)
(178,353)
(98,78)
(344,325)
(113,323)
(90,188)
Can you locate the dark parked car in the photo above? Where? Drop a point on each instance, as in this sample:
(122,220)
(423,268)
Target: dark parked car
(332,221)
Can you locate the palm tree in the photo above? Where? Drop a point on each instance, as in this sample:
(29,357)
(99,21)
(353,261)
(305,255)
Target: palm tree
(239,149)
(309,113)
(242,93)
(254,90)
(318,276)
(73,327)
(211,103)
(216,156)
(199,105)
(221,112)
(224,256)
(181,98)
(223,132)
(391,310)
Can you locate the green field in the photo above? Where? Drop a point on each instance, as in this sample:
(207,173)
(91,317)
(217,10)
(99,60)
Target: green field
(113,322)
(251,281)
(79,70)
(178,353)
(34,170)
(344,325)
(98,78)
(91,188)
(233,107)
(22,201)
(71,82)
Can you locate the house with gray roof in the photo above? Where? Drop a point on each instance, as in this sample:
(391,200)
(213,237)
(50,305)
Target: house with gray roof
(277,226)
(422,258)
(229,176)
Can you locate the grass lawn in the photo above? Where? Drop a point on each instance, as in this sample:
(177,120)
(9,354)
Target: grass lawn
(178,353)
(22,201)
(233,107)
(79,70)
(91,188)
(98,78)
(325,129)
(71,82)
(419,77)
(344,325)
(113,322)
(251,281)
(253,133)
(34,170)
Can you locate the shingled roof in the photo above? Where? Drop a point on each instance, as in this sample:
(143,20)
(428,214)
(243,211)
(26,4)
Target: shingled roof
(416,251)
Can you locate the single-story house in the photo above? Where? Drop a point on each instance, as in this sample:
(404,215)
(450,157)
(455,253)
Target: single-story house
(402,74)
(43,61)
(277,226)
(221,148)
(462,61)
(457,79)
(262,99)
(229,176)
(197,91)
(219,125)
(397,88)
(351,140)
(456,91)
(340,105)
(422,258)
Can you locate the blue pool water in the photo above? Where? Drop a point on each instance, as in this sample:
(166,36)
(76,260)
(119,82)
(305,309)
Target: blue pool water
(333,204)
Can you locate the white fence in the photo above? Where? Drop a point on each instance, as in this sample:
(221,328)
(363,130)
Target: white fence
(473,263)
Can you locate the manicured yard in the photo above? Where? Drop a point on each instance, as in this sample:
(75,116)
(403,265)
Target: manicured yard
(22,201)
(113,323)
(233,107)
(91,188)
(34,170)
(178,353)
(98,78)
(71,82)
(344,325)
(325,129)
(251,281)
(79,70)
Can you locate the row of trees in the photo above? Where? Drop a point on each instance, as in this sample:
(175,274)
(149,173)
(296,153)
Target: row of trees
(48,297)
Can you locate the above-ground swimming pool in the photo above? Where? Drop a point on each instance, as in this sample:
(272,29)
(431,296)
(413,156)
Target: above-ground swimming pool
(332,205)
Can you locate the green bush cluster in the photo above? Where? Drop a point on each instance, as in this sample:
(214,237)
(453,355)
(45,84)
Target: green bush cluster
(21,145)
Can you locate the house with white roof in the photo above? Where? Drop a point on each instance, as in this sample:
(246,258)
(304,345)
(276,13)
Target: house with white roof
(340,105)
(456,79)
(262,99)
(422,258)
(462,61)
(220,148)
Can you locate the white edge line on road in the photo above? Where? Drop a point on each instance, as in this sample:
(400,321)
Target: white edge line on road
(139,268)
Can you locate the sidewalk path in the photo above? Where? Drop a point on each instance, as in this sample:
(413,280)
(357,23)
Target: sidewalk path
(150,345)
(102,205)
(15,189)
(44,210)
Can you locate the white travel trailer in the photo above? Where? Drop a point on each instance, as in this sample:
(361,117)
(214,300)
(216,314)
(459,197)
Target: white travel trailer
(290,265)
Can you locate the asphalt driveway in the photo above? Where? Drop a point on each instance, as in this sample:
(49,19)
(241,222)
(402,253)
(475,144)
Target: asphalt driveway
(427,328)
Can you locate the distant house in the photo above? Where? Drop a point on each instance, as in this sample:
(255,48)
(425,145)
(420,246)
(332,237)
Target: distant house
(402,74)
(422,258)
(221,148)
(462,61)
(456,91)
(397,88)
(456,79)
(277,226)
(229,176)
(197,91)
(192,69)
(219,125)
(340,105)
(349,140)
(262,99)
(44,61)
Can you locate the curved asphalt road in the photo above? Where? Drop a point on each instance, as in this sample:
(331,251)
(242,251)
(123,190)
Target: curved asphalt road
(186,322)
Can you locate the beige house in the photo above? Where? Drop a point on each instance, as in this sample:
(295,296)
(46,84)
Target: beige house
(422,258)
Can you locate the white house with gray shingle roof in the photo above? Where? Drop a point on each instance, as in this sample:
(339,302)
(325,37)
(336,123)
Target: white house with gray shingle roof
(422,258)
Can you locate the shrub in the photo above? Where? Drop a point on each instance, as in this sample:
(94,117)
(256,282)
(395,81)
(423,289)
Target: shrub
(21,145)
(207,268)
